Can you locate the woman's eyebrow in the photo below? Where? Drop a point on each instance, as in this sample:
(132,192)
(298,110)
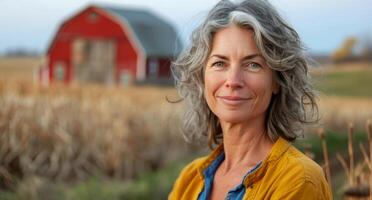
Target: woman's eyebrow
(248,57)
(218,56)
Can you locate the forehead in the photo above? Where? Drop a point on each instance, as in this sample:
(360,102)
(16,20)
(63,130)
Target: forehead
(234,38)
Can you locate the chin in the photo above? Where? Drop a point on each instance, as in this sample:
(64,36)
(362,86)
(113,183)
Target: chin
(233,118)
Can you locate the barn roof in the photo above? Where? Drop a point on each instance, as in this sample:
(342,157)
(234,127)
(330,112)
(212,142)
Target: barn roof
(157,37)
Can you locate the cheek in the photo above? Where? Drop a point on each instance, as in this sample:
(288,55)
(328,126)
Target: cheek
(212,84)
(208,89)
(264,89)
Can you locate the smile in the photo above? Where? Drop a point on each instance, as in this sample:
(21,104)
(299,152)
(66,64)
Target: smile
(233,100)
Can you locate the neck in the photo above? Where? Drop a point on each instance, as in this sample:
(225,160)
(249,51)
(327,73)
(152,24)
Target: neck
(244,144)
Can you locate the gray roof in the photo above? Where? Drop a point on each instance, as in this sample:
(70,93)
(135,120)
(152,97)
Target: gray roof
(157,37)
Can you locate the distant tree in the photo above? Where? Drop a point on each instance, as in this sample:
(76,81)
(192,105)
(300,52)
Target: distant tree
(21,52)
(345,52)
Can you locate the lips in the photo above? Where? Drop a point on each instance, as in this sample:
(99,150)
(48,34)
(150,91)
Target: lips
(233,100)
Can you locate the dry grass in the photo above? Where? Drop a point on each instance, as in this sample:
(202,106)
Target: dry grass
(74,132)
(336,112)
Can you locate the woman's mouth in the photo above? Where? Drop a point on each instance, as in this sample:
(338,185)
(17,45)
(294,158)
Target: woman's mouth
(233,100)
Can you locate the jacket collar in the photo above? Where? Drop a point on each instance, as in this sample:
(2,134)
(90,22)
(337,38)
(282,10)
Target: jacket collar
(276,152)
(204,165)
(279,148)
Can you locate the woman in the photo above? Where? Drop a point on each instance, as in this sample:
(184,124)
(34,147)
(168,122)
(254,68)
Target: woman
(245,79)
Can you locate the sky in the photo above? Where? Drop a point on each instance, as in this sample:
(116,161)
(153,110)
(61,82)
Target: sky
(322,24)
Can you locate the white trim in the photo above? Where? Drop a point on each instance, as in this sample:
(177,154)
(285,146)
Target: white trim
(44,76)
(128,30)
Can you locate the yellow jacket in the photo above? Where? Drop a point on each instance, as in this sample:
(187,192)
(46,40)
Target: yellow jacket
(285,174)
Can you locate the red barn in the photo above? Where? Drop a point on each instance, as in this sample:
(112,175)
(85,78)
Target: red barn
(112,46)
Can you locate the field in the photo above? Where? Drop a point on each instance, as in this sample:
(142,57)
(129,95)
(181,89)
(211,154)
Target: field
(350,81)
(16,68)
(96,142)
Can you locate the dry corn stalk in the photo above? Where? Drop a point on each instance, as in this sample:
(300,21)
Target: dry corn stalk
(325,155)
(351,154)
(365,155)
(369,132)
(359,189)
(344,165)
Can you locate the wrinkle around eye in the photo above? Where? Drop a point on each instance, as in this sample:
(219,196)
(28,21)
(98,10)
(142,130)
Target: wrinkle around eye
(256,68)
(218,64)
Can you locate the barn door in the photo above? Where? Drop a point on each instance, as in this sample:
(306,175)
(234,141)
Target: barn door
(94,60)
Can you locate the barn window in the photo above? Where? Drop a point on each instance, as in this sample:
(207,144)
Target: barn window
(59,71)
(153,68)
(125,77)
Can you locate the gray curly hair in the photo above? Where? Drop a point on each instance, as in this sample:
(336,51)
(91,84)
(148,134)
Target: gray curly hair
(294,104)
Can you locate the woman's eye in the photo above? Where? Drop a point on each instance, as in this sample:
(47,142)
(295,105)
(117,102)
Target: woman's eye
(218,64)
(255,67)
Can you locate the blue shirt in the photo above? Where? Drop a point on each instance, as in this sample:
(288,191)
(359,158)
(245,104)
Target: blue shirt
(236,193)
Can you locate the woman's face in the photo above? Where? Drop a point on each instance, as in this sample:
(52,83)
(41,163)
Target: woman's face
(238,82)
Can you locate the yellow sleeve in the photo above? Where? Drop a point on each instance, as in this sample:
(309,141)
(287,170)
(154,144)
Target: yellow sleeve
(306,190)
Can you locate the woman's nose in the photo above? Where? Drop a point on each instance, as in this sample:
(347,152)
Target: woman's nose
(234,77)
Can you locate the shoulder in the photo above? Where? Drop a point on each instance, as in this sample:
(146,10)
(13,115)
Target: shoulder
(188,180)
(304,175)
(196,167)
(299,162)
(192,169)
